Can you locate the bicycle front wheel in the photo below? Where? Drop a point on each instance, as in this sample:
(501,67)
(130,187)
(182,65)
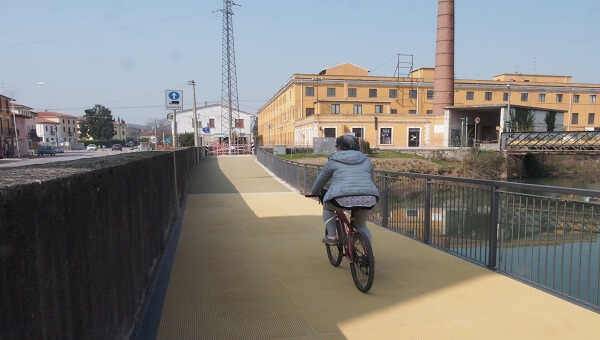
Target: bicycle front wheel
(363,262)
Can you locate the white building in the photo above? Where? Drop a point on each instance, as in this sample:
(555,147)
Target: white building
(210,126)
(47,130)
(66,132)
(120,127)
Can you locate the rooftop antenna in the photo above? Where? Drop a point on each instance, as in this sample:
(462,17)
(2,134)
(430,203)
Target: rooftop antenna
(229,86)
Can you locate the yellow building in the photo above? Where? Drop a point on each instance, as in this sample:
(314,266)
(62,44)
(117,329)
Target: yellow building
(397,112)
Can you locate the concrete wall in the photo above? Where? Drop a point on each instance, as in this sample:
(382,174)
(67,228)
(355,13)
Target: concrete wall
(79,242)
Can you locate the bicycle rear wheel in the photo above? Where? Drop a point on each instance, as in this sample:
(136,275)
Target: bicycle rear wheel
(335,253)
(363,262)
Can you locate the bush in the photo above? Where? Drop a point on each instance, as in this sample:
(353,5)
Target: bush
(365,147)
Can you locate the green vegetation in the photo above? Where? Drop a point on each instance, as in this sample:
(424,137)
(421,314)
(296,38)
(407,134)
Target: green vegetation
(97,123)
(302,155)
(186,139)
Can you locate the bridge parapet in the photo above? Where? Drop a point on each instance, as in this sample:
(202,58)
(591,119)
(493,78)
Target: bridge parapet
(80,240)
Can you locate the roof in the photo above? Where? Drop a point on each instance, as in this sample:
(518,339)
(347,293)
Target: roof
(55,114)
(533,75)
(44,121)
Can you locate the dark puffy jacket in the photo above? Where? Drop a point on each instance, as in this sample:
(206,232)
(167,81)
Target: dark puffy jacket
(350,173)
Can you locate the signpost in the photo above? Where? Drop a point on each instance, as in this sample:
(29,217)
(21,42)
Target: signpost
(174,101)
(477,121)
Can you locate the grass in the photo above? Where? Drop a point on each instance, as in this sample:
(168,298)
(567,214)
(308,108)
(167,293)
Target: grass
(300,155)
(387,154)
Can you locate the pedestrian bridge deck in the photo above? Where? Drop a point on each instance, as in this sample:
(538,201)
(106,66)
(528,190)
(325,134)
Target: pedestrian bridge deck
(250,265)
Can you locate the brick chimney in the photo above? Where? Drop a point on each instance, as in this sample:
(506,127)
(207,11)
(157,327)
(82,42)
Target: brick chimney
(443,82)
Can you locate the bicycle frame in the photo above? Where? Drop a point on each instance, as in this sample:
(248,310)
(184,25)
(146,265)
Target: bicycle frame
(348,231)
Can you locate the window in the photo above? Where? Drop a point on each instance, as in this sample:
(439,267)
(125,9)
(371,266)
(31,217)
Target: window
(429,112)
(524,96)
(412,112)
(331,92)
(352,92)
(591,118)
(310,111)
(470,95)
(393,111)
(593,98)
(335,108)
(412,94)
(239,123)
(393,93)
(429,94)
(358,132)
(378,108)
(329,132)
(309,91)
(542,97)
(46,127)
(385,136)
(372,93)
(357,109)
(414,137)
(505,96)
(575,98)
(559,97)
(488,96)
(211,123)
(574,118)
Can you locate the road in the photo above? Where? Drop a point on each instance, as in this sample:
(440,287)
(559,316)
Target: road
(67,156)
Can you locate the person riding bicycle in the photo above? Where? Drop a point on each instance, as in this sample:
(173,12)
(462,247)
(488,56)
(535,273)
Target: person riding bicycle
(349,173)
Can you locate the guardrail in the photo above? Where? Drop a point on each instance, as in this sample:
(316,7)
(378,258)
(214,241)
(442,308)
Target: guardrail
(78,252)
(560,141)
(547,236)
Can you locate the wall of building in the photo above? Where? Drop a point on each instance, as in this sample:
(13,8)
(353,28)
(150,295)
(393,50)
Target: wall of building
(305,106)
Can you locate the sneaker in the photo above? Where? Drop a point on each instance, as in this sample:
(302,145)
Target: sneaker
(330,241)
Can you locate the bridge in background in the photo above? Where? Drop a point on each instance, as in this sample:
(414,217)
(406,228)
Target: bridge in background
(564,142)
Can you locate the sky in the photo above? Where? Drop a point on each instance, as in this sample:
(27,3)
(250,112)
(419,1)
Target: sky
(66,55)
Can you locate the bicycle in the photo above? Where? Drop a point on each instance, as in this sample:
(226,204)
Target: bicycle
(354,245)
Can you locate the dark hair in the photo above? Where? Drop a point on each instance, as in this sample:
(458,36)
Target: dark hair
(347,142)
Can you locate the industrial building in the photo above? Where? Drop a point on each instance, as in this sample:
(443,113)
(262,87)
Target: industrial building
(398,112)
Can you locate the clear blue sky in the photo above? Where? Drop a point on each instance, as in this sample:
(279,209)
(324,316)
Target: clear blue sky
(125,53)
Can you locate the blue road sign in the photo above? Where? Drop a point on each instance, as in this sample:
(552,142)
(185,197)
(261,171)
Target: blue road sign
(174,99)
(174,95)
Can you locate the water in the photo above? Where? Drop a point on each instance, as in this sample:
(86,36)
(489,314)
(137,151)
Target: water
(580,183)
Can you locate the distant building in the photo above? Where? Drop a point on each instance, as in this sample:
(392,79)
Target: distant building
(47,130)
(398,112)
(210,126)
(26,130)
(120,128)
(67,130)
(7,130)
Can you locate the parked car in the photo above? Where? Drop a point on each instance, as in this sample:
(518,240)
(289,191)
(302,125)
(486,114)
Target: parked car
(91,147)
(46,150)
(117,147)
(60,149)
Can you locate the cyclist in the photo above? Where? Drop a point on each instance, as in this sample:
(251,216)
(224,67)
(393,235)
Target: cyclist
(349,173)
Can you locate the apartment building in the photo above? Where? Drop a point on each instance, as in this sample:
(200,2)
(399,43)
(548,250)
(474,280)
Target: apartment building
(120,128)
(397,112)
(24,118)
(7,131)
(66,128)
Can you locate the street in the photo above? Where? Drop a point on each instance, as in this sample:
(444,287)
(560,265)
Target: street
(61,157)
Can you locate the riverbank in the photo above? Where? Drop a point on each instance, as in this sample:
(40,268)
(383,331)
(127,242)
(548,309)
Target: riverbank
(481,165)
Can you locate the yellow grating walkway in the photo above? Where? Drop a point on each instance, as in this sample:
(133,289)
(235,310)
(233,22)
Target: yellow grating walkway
(250,265)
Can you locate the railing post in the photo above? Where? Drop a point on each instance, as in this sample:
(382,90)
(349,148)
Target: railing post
(385,210)
(493,228)
(427,215)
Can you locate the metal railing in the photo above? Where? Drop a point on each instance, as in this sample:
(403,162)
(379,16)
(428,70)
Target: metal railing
(562,141)
(547,236)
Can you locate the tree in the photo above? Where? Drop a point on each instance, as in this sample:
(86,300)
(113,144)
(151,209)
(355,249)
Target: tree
(186,139)
(97,123)
(522,120)
(550,121)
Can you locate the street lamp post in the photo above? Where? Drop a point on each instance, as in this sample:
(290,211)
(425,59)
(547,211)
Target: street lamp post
(16,132)
(195,115)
